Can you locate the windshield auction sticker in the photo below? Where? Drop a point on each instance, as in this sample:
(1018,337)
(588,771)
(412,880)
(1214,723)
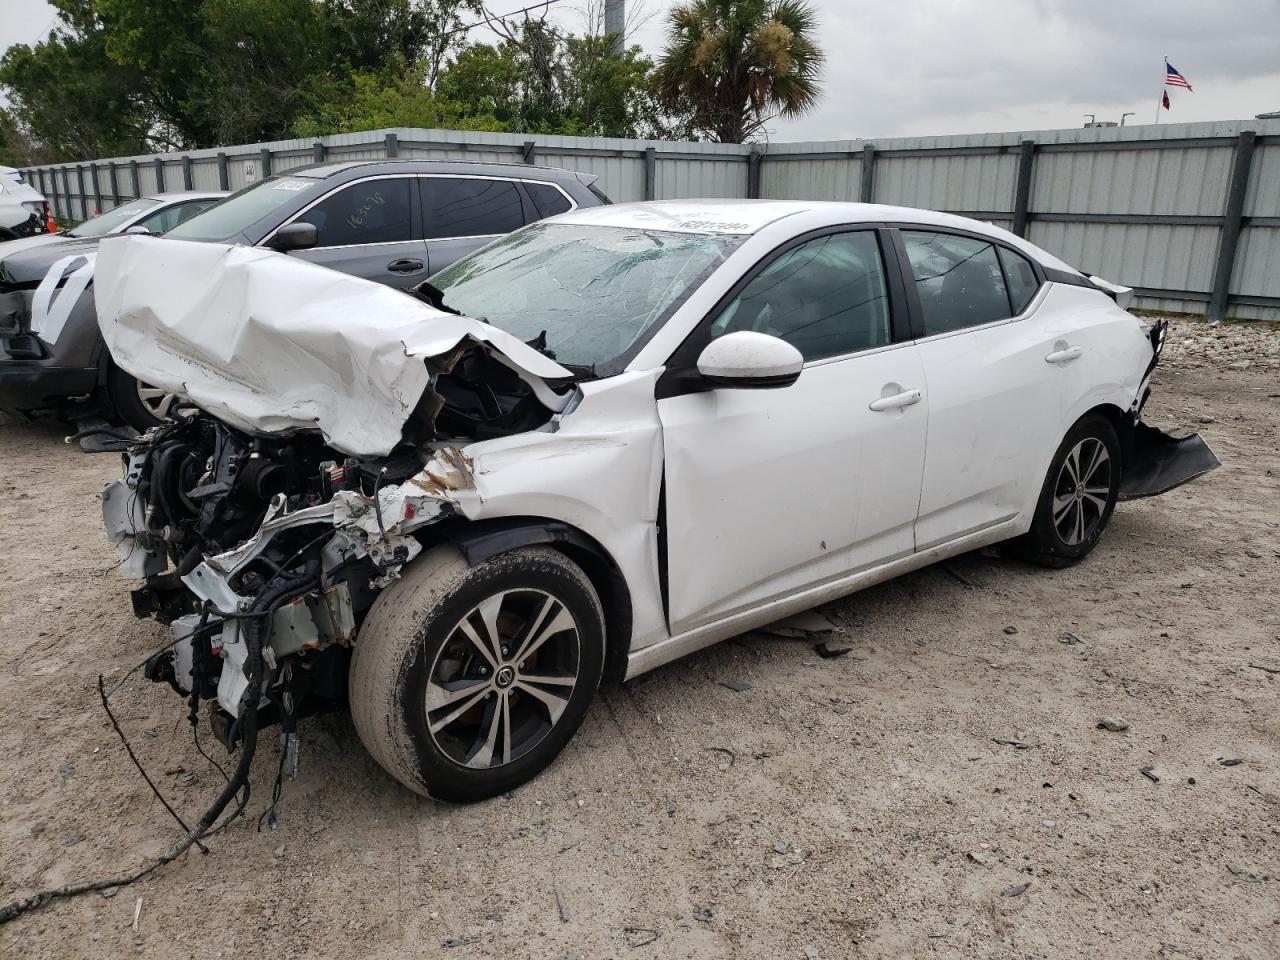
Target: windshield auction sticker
(294,185)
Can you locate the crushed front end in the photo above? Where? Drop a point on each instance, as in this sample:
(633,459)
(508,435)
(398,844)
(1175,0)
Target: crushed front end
(263,555)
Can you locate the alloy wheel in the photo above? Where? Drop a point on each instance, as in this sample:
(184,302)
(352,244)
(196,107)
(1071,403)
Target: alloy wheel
(1082,491)
(155,400)
(503,679)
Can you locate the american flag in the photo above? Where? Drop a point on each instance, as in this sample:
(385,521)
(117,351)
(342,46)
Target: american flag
(1172,78)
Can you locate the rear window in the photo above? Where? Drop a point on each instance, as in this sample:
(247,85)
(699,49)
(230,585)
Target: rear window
(547,200)
(1021,279)
(469,207)
(242,209)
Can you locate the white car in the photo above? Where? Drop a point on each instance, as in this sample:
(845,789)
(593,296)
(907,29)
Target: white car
(23,211)
(647,427)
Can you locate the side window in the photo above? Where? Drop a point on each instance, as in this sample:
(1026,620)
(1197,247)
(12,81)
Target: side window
(547,200)
(826,297)
(958,280)
(457,207)
(375,211)
(1021,278)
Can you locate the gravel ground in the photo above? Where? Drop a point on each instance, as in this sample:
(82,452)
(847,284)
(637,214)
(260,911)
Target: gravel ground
(942,790)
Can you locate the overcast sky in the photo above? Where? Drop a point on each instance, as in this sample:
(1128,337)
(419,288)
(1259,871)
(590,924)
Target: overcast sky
(966,66)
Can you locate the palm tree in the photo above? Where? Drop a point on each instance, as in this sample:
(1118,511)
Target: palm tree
(737,64)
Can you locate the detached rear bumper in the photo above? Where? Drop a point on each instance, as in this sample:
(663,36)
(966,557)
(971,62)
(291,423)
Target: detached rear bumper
(1157,462)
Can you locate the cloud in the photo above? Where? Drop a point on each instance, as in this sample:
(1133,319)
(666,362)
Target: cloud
(968,66)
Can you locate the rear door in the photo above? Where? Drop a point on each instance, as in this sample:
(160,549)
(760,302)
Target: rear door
(461,214)
(994,403)
(369,229)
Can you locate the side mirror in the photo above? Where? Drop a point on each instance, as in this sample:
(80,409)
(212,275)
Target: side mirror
(138,230)
(298,235)
(750,361)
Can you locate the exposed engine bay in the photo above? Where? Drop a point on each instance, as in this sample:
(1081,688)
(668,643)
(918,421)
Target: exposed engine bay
(263,554)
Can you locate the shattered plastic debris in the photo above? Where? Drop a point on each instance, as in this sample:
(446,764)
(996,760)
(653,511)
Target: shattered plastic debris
(802,625)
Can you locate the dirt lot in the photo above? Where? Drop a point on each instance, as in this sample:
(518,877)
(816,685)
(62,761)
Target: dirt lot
(886,804)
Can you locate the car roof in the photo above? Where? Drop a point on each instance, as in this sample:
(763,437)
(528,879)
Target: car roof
(493,168)
(751,216)
(747,217)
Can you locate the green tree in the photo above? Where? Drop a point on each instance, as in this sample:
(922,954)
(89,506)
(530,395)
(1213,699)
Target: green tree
(68,98)
(737,64)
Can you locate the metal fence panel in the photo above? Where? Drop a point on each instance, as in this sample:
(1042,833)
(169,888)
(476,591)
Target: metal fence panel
(1146,206)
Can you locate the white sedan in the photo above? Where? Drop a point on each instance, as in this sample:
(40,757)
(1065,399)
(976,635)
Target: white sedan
(603,442)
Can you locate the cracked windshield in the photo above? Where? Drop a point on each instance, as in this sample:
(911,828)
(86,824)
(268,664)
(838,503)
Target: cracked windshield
(592,290)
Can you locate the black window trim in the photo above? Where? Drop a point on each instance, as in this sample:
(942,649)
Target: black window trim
(913,297)
(681,375)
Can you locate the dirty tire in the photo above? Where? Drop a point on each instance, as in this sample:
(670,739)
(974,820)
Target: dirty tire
(1045,544)
(124,401)
(406,634)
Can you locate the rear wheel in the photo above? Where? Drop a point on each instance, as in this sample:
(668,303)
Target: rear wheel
(1078,496)
(467,681)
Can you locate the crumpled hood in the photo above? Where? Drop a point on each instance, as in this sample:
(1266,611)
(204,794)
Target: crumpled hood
(270,343)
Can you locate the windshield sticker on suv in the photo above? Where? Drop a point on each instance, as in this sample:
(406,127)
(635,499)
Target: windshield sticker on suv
(290,185)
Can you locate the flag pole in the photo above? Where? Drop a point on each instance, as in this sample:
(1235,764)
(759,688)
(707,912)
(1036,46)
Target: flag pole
(1160,99)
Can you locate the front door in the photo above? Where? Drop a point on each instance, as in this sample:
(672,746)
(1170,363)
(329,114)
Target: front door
(770,491)
(366,229)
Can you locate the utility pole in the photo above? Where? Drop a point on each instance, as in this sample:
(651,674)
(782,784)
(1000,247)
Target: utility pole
(615,23)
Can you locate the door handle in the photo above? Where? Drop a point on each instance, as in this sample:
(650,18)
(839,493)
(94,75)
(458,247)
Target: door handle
(404,266)
(1065,355)
(897,401)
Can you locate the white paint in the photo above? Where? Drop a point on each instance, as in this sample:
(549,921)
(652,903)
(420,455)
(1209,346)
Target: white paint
(272,344)
(771,491)
(51,306)
(748,355)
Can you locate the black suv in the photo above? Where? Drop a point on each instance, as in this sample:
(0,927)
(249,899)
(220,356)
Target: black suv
(392,221)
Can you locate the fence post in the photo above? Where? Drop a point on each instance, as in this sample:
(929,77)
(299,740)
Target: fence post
(868,172)
(1232,213)
(264,163)
(317,152)
(97,189)
(224,172)
(82,193)
(754,161)
(650,173)
(159,175)
(391,146)
(528,152)
(1022,198)
(69,213)
(114,180)
(137,181)
(186,173)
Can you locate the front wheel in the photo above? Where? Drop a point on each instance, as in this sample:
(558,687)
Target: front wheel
(1078,496)
(468,681)
(138,404)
